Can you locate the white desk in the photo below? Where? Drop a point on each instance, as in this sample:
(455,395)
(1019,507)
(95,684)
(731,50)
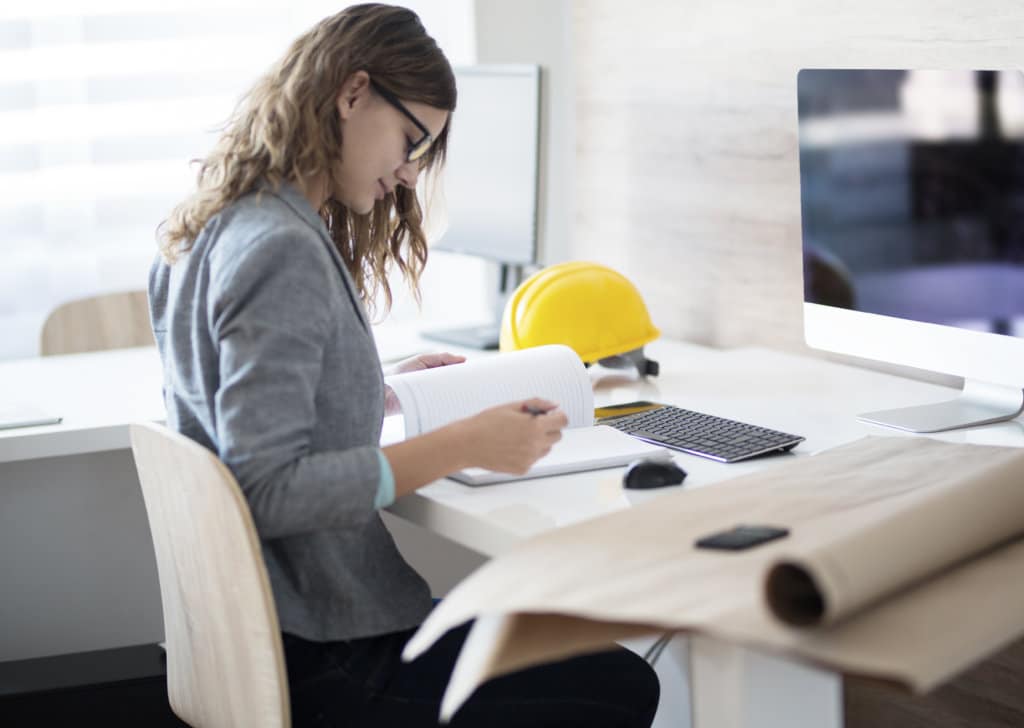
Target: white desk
(805,396)
(730,686)
(76,559)
(96,394)
(78,568)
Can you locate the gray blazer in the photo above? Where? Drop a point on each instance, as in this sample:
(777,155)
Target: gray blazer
(269,362)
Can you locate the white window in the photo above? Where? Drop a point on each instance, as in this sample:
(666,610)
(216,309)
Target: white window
(102,105)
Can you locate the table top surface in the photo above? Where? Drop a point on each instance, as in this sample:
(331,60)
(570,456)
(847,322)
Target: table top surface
(814,398)
(98,394)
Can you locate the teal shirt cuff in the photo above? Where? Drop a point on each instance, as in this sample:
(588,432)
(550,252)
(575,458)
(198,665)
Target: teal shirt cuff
(386,486)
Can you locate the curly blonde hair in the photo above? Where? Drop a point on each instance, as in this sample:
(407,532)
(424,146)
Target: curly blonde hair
(286,128)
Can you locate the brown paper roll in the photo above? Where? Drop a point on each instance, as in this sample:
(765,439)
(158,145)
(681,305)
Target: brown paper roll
(947,515)
(794,596)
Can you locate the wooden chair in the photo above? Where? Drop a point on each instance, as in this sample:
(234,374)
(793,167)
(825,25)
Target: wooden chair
(225,659)
(110,321)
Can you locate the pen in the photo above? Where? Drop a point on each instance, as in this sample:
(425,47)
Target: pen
(533,410)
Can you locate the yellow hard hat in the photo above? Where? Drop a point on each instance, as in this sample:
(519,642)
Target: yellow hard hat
(589,307)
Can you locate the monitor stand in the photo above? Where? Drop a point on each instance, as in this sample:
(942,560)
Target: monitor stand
(978,404)
(484,336)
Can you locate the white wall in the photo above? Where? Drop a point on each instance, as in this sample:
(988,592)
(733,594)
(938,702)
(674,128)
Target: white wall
(687,168)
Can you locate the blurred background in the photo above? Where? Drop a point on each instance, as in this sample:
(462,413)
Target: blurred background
(102,106)
(672,152)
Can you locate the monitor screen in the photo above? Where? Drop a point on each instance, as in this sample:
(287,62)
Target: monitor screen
(912,194)
(489,185)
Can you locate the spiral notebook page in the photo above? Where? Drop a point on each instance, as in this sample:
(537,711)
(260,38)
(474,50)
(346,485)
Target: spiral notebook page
(434,397)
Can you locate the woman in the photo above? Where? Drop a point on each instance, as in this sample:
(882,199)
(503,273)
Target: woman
(258,308)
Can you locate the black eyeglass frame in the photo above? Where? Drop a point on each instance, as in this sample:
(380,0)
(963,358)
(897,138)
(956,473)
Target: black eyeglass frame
(420,147)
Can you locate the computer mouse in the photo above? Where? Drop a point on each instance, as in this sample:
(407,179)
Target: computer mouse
(652,474)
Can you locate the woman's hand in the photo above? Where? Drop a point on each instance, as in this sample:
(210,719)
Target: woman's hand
(415,364)
(424,361)
(509,439)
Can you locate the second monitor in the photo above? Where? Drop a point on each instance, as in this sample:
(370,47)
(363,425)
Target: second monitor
(912,197)
(491,181)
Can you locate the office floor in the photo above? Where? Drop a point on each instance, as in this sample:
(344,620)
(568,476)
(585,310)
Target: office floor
(988,695)
(106,689)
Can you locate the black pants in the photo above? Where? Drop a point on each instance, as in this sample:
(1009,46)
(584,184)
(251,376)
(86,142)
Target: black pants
(365,683)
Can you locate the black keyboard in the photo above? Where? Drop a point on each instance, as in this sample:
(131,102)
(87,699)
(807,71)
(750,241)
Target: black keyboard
(699,434)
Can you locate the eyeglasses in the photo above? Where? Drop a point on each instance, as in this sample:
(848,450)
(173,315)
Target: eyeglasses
(416,149)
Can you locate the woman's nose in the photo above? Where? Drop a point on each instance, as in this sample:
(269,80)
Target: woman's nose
(408,173)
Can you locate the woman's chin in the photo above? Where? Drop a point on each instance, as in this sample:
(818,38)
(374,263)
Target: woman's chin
(360,207)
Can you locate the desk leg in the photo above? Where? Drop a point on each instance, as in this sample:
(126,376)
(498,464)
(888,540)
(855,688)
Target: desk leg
(735,687)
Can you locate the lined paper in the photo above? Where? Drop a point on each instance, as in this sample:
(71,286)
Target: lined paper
(434,397)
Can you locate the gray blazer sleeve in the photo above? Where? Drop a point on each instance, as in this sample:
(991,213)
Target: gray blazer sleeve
(270,310)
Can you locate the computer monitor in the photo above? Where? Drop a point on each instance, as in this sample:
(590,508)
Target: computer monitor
(490,182)
(912,203)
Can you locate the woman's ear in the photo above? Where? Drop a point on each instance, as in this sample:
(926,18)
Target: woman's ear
(354,92)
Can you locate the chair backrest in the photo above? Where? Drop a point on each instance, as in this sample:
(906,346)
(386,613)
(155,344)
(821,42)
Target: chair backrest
(110,321)
(225,659)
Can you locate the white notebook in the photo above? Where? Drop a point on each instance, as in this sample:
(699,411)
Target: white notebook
(581,448)
(434,397)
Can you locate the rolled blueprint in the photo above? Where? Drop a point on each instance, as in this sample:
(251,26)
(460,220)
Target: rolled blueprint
(949,515)
(896,534)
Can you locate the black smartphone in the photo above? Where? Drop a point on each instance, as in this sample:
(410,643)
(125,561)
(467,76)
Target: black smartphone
(627,408)
(740,538)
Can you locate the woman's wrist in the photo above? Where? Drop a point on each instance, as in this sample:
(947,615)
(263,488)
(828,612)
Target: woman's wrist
(458,440)
(423,459)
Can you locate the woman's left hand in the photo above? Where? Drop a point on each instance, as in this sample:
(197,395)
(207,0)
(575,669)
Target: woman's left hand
(415,364)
